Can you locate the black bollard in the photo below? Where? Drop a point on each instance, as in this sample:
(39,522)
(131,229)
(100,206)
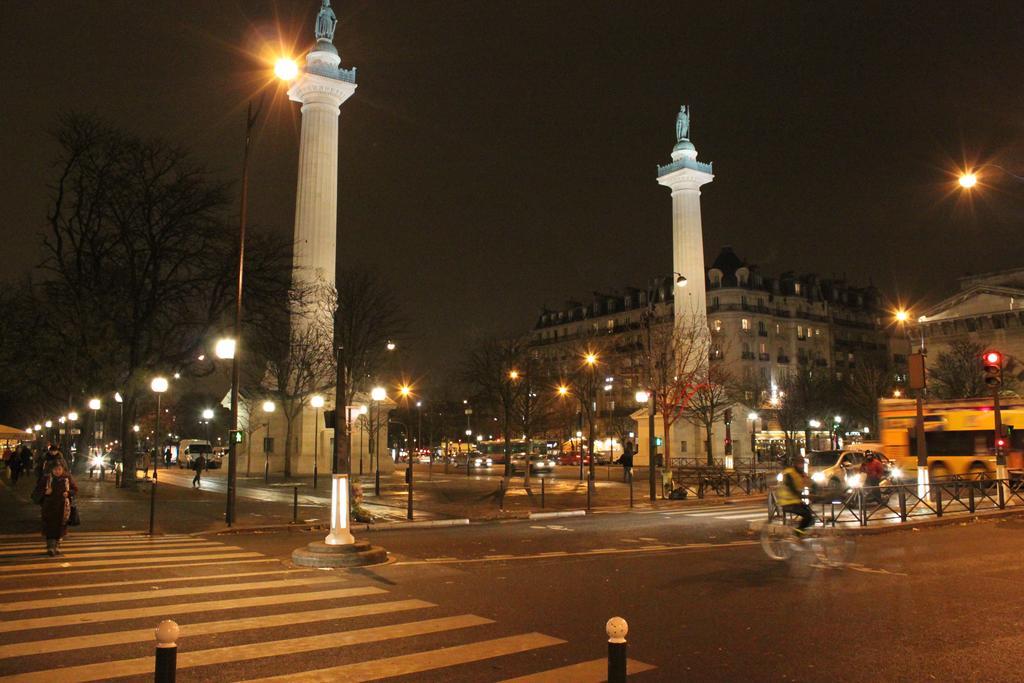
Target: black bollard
(166,652)
(616,628)
(295,505)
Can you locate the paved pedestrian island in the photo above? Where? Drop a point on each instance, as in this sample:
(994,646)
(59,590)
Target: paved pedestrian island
(90,615)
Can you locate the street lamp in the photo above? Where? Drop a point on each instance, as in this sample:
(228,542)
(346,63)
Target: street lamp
(377,394)
(94,405)
(158,386)
(316,402)
(286,69)
(224,348)
(268,445)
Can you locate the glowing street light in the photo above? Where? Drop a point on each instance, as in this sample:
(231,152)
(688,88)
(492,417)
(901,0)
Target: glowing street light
(404,391)
(286,69)
(224,348)
(590,359)
(208,413)
(269,406)
(317,401)
(902,316)
(563,390)
(95,404)
(968,180)
(642,396)
(390,345)
(48,424)
(378,394)
(513,374)
(751,416)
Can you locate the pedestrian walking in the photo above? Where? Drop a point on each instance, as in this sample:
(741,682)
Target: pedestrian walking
(14,466)
(54,493)
(626,459)
(199,464)
(26,460)
(167,457)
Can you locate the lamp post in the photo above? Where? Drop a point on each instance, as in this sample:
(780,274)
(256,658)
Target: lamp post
(70,429)
(317,402)
(119,400)
(377,394)
(94,405)
(159,386)
(207,416)
(591,361)
(647,397)
(268,408)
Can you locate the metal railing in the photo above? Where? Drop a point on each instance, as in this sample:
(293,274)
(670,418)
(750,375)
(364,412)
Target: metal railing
(704,481)
(894,503)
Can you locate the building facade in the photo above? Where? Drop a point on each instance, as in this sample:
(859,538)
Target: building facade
(988,310)
(762,328)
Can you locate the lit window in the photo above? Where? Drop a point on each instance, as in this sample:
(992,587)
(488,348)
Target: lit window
(796,287)
(718,326)
(800,331)
(745,324)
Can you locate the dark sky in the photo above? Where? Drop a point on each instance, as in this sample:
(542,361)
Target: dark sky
(498,156)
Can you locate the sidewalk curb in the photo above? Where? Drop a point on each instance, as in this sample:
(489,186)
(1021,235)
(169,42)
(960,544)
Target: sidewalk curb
(551,515)
(424,524)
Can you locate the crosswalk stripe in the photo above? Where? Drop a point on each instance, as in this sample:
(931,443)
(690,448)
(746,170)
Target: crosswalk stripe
(86,542)
(128,550)
(143,635)
(90,533)
(745,515)
(237,653)
(70,600)
(594,671)
(57,563)
(212,548)
(421,661)
(151,581)
(138,567)
(183,608)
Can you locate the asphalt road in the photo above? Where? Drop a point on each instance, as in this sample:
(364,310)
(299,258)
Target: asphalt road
(495,601)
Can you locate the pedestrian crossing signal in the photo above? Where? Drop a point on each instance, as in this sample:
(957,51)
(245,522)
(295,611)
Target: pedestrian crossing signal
(658,441)
(236,436)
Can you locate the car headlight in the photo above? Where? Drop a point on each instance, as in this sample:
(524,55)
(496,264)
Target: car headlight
(551,463)
(896,473)
(477,461)
(818,477)
(489,462)
(854,480)
(778,477)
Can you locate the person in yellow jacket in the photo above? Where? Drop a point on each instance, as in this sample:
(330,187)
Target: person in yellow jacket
(789,494)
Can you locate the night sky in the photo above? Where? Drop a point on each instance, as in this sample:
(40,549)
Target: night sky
(499,156)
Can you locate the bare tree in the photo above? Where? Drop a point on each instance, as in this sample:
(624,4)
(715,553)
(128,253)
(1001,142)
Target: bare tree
(712,395)
(675,362)
(367,317)
(864,386)
(138,268)
(296,350)
(958,372)
(491,368)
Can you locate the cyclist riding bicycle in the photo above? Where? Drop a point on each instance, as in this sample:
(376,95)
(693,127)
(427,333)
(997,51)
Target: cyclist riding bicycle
(789,494)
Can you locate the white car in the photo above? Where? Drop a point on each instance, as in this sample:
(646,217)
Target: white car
(837,470)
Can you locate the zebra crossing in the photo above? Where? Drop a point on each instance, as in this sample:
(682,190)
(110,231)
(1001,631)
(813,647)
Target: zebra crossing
(731,513)
(90,615)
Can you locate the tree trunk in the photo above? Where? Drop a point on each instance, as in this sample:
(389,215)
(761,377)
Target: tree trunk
(709,443)
(666,425)
(127,437)
(289,428)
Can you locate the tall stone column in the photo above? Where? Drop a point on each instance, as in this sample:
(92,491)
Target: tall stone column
(684,176)
(321,88)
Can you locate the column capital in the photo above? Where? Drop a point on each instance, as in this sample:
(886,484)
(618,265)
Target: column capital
(311,87)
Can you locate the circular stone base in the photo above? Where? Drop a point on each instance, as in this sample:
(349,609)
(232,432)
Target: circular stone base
(358,554)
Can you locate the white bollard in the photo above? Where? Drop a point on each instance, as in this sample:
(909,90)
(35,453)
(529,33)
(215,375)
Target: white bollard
(166,651)
(616,628)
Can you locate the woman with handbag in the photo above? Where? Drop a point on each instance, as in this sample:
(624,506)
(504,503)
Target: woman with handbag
(55,492)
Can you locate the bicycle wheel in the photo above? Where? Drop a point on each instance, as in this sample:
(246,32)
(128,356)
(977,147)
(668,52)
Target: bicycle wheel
(777,541)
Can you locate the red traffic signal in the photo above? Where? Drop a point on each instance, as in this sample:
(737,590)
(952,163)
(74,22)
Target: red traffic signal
(992,366)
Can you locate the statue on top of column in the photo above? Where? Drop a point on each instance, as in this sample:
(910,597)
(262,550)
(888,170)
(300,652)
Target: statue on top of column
(326,21)
(683,124)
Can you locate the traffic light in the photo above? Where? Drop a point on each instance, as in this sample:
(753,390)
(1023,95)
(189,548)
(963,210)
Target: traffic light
(992,365)
(236,436)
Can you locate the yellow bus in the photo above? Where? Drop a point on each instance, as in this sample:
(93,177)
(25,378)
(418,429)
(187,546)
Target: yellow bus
(959,434)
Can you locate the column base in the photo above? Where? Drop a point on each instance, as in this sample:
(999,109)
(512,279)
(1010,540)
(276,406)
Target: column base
(358,554)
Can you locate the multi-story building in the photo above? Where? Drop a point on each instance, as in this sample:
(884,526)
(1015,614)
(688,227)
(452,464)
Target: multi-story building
(762,328)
